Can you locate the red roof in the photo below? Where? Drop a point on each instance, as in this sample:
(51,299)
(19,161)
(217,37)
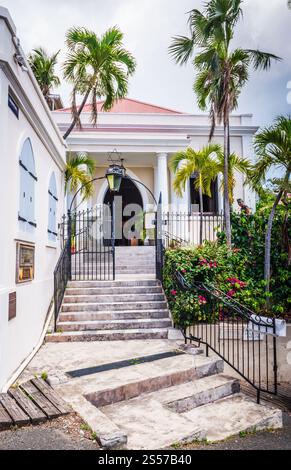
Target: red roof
(128,105)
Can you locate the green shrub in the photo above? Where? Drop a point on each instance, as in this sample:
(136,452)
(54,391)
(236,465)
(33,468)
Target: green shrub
(235,273)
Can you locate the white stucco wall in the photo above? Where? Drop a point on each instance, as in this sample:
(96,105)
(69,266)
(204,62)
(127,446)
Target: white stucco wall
(19,336)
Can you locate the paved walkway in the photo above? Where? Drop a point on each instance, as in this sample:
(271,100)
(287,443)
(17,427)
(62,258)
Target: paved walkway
(270,440)
(142,420)
(66,433)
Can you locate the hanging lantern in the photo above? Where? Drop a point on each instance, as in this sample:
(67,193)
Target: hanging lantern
(114,175)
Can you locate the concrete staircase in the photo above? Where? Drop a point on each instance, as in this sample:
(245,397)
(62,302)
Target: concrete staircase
(131,262)
(113,310)
(136,261)
(156,404)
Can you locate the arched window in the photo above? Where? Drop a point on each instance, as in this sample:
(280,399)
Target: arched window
(52,215)
(26,215)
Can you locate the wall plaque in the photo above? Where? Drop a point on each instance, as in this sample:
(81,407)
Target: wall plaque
(24,262)
(12,306)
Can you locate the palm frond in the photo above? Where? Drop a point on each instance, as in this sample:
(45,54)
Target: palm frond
(181,49)
(261,60)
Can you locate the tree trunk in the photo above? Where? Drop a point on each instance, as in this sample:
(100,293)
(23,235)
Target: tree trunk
(267,267)
(201,210)
(226,205)
(71,127)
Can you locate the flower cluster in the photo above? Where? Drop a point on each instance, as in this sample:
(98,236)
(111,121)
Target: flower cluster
(173,292)
(207,264)
(236,285)
(202,300)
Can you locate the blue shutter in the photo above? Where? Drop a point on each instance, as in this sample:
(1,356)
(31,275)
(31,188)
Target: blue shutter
(27,188)
(23,195)
(52,214)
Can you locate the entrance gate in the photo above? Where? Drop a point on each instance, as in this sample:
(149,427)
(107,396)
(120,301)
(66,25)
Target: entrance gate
(89,238)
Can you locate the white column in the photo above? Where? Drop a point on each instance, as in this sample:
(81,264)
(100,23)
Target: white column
(162,178)
(156,183)
(180,203)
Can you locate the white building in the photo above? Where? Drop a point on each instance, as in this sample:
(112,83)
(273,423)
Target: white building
(146,136)
(31,204)
(32,201)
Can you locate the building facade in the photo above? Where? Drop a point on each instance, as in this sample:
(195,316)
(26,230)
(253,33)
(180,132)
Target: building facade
(31,204)
(32,201)
(146,136)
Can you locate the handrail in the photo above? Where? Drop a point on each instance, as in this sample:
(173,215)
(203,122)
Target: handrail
(170,237)
(223,297)
(61,277)
(236,334)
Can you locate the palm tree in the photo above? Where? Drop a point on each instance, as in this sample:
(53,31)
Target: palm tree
(43,67)
(273,150)
(235,164)
(200,163)
(207,163)
(79,173)
(221,71)
(96,67)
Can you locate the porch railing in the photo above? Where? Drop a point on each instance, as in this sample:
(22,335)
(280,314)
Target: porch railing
(244,340)
(191,228)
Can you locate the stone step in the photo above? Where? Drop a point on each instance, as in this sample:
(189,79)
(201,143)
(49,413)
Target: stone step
(117,315)
(160,412)
(113,306)
(149,423)
(107,298)
(108,335)
(135,261)
(152,377)
(233,415)
(114,290)
(93,272)
(135,249)
(118,283)
(88,325)
(186,397)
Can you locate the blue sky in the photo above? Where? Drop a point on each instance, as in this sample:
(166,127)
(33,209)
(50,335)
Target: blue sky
(148,26)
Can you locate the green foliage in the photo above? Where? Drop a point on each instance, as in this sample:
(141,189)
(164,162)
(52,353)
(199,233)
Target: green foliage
(44,375)
(248,234)
(43,66)
(97,67)
(239,272)
(79,172)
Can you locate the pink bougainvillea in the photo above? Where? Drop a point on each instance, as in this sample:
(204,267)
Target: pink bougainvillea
(202,300)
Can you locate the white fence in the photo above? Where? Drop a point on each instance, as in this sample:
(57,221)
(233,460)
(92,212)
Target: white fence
(191,229)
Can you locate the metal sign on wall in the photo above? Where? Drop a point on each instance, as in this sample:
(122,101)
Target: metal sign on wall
(24,262)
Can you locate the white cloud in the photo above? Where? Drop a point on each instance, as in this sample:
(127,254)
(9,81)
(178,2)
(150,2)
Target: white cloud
(148,26)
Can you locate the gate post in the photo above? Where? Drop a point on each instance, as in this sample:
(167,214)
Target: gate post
(159,241)
(69,245)
(113,237)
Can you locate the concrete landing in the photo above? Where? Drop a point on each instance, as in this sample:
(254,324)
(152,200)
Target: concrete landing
(155,404)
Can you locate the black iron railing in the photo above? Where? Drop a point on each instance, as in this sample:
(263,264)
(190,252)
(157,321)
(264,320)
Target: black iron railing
(62,275)
(92,243)
(244,340)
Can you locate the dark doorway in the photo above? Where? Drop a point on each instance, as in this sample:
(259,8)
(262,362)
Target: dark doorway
(210,204)
(128,194)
